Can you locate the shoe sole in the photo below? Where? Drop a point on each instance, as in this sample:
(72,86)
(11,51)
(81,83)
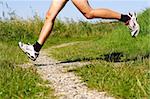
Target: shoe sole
(136,33)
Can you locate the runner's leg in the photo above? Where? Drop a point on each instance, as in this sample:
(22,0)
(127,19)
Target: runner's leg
(32,51)
(55,8)
(90,13)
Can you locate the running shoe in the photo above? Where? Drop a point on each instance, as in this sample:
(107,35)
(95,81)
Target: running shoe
(28,49)
(133,25)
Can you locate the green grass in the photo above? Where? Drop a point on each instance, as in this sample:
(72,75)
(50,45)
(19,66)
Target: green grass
(121,80)
(101,48)
(119,63)
(17,82)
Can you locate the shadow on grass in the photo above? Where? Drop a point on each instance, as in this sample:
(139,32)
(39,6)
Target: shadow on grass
(112,57)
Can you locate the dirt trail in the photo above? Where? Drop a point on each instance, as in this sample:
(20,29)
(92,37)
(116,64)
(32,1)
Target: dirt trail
(66,84)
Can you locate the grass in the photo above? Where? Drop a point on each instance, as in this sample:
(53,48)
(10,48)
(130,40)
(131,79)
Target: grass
(119,63)
(121,80)
(17,82)
(105,47)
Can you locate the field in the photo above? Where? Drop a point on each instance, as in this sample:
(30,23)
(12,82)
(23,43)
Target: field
(119,63)
(17,82)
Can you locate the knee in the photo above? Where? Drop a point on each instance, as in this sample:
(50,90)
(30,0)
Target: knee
(89,14)
(50,17)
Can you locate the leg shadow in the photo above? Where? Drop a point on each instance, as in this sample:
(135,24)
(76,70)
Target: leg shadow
(111,57)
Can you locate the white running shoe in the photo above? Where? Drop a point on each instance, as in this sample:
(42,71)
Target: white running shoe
(133,25)
(29,50)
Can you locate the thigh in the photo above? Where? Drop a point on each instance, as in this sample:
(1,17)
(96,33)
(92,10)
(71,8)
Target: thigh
(56,7)
(82,5)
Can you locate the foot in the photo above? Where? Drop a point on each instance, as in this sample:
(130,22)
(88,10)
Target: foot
(29,50)
(133,25)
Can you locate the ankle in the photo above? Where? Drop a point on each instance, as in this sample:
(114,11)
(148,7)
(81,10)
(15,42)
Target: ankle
(37,47)
(125,18)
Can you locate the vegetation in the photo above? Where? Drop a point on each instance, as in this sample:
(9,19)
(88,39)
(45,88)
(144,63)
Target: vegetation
(17,82)
(119,63)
